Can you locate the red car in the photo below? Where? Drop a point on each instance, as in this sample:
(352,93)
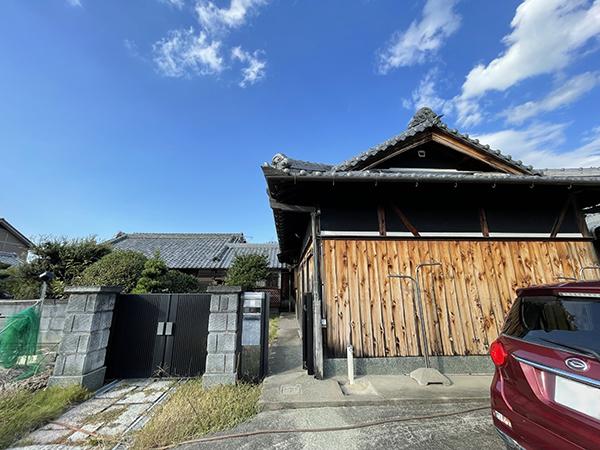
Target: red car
(546,389)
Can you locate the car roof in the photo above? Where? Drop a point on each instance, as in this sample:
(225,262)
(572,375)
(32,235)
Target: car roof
(579,287)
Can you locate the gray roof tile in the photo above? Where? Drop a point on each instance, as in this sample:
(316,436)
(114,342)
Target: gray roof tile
(181,250)
(270,250)
(9,258)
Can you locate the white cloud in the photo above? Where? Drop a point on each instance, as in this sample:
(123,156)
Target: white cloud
(179,4)
(540,146)
(216,19)
(255,68)
(568,92)
(185,53)
(426,95)
(423,38)
(74,3)
(547,36)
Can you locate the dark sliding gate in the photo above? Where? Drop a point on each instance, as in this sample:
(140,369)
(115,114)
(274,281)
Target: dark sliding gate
(308,361)
(158,335)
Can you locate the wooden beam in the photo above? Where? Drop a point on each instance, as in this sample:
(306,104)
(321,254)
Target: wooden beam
(580,218)
(407,223)
(381,220)
(485,229)
(561,217)
(417,143)
(292,208)
(474,153)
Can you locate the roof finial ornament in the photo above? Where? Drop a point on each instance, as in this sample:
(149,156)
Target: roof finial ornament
(424,115)
(280,161)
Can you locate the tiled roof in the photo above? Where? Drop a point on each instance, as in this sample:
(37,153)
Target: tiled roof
(424,119)
(181,250)
(270,250)
(9,258)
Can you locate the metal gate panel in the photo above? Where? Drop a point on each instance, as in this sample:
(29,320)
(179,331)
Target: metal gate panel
(158,335)
(132,350)
(189,334)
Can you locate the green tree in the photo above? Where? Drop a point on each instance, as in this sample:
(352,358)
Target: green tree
(182,282)
(119,268)
(67,258)
(247,270)
(153,277)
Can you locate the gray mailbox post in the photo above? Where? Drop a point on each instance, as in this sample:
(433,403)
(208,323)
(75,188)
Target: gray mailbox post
(255,335)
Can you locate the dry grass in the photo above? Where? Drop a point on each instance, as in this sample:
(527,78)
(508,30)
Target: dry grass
(192,412)
(273,328)
(22,410)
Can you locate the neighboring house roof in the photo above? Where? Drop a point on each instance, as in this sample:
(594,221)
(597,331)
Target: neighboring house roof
(181,250)
(270,250)
(196,250)
(9,258)
(16,233)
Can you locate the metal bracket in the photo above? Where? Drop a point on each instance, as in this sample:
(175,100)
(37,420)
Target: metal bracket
(169,329)
(160,328)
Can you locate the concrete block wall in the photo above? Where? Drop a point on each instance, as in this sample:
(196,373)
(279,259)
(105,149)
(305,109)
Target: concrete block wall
(223,344)
(51,323)
(86,329)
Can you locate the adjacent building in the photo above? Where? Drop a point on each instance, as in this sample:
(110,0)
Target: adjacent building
(467,223)
(208,256)
(14,246)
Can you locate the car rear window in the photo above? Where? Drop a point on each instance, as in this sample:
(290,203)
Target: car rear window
(570,321)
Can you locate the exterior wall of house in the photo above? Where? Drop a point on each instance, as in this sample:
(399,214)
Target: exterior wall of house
(9,243)
(465,299)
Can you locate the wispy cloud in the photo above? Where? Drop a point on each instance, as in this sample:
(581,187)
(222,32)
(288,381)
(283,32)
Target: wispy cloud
(75,3)
(541,146)
(255,67)
(426,95)
(185,52)
(190,52)
(179,4)
(216,19)
(547,36)
(568,92)
(423,37)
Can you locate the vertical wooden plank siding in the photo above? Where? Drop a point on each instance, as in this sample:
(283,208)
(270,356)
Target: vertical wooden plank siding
(465,299)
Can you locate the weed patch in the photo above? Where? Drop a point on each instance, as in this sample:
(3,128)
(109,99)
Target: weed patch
(22,411)
(192,412)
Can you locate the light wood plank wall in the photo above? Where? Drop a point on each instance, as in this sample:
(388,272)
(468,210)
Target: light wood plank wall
(465,299)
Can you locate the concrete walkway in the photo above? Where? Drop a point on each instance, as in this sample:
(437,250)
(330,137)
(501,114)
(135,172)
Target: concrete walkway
(108,417)
(288,385)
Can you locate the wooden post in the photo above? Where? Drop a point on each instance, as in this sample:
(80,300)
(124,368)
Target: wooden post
(316,287)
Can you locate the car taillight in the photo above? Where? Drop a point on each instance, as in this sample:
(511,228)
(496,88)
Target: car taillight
(498,353)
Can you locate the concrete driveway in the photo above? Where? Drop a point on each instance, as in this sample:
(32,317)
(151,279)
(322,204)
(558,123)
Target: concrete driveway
(464,431)
(294,401)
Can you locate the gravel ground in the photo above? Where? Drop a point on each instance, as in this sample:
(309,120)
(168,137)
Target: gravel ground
(463,431)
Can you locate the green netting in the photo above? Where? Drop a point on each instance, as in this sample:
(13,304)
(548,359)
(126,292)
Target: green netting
(19,341)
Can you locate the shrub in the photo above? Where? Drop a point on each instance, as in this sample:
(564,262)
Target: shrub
(66,258)
(156,277)
(182,282)
(153,277)
(247,270)
(119,268)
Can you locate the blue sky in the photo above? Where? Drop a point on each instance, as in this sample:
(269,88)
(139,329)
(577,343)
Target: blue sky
(155,115)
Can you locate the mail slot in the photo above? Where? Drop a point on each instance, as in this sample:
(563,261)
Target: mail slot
(255,333)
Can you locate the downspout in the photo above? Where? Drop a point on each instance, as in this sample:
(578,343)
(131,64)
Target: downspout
(316,288)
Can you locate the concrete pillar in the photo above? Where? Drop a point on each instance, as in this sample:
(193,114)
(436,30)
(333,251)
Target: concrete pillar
(223,344)
(82,350)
